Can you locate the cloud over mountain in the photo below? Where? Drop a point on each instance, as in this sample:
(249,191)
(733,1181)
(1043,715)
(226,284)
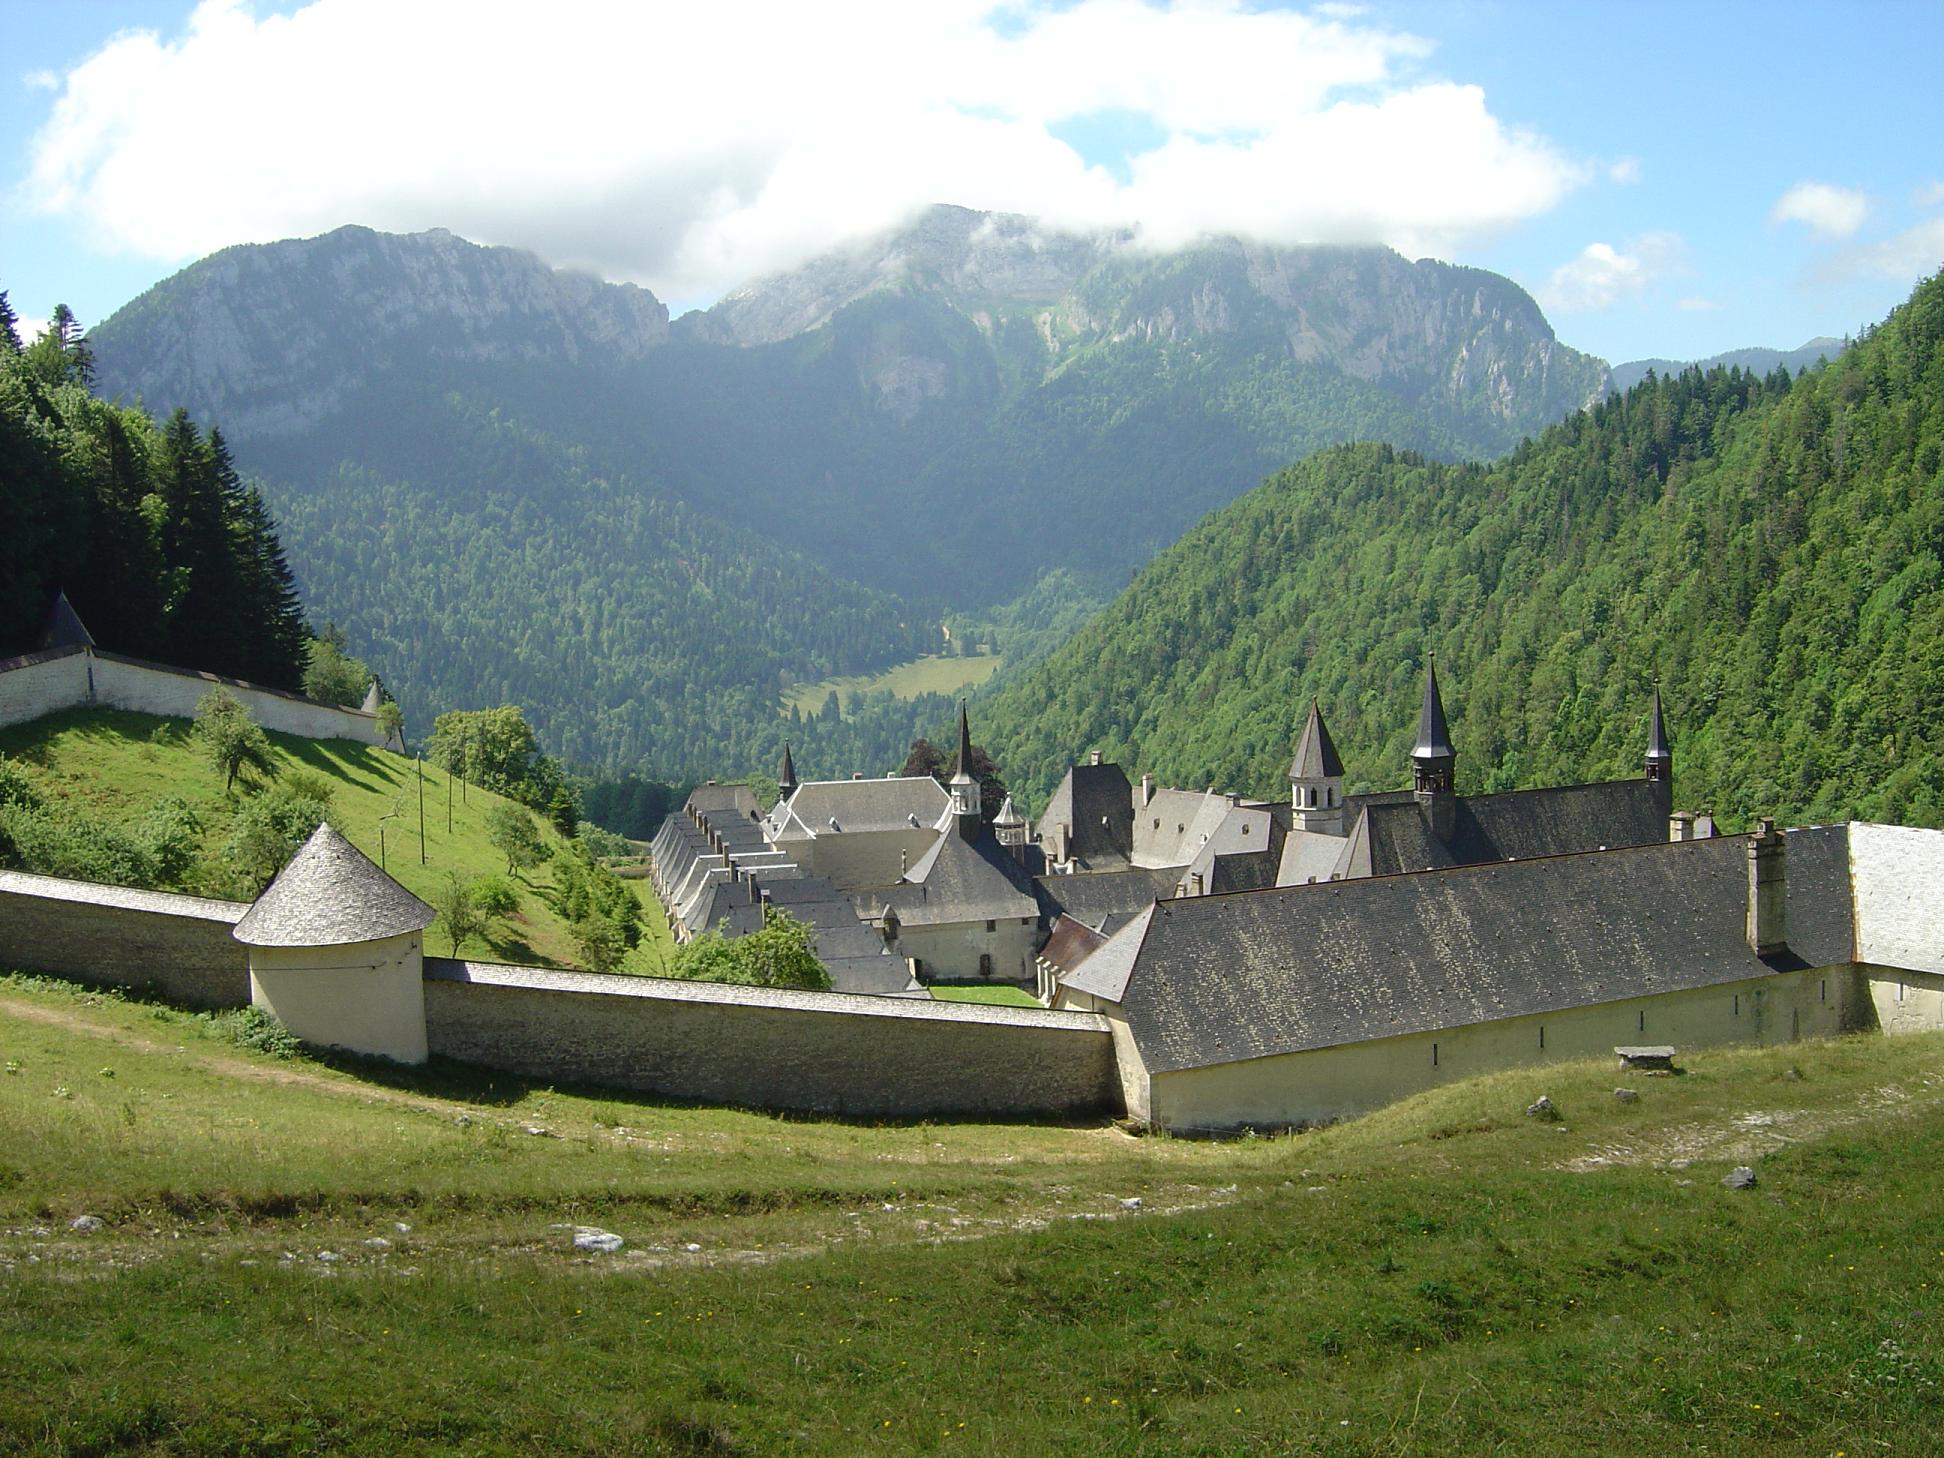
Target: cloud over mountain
(690,148)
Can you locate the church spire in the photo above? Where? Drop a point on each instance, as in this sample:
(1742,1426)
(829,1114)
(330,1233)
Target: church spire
(1660,758)
(967,804)
(1433,760)
(786,778)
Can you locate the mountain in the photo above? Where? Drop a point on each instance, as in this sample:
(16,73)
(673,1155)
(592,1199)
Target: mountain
(1768,548)
(1824,346)
(501,479)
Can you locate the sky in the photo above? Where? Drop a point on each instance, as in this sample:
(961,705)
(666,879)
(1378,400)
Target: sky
(1667,179)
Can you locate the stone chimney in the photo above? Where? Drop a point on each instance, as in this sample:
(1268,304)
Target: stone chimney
(1768,889)
(1147,790)
(1680,825)
(1093,757)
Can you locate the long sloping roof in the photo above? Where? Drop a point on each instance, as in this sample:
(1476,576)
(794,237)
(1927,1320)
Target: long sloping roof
(964,880)
(1518,825)
(331,893)
(1217,979)
(892,803)
(1096,802)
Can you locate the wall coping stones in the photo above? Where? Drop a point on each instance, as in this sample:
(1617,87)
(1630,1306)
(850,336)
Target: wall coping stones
(668,989)
(125,898)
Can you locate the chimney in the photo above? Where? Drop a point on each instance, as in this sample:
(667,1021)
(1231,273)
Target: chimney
(1094,757)
(1768,889)
(1195,884)
(1680,825)
(1147,790)
(857,774)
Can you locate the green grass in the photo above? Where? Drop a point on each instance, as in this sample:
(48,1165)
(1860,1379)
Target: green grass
(116,763)
(975,992)
(933,674)
(1447,1276)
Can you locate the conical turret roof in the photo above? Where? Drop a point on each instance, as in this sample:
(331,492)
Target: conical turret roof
(1009,815)
(331,893)
(1316,756)
(64,628)
(1434,736)
(786,777)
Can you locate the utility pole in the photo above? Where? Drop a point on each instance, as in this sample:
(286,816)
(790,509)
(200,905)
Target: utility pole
(421,778)
(381,838)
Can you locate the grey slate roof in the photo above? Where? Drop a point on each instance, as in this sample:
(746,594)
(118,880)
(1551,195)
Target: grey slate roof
(1094,897)
(1217,979)
(1516,825)
(1096,803)
(892,803)
(64,627)
(1316,755)
(331,893)
(963,880)
(1434,735)
(738,800)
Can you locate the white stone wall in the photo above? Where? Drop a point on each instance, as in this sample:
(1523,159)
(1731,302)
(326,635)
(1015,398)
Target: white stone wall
(1906,1002)
(120,684)
(1335,1083)
(1898,877)
(823,1052)
(951,952)
(43,687)
(367,997)
(178,946)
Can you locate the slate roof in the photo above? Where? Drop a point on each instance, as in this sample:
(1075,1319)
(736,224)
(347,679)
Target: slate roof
(1434,735)
(1071,944)
(892,803)
(963,880)
(1096,803)
(1316,755)
(64,627)
(1097,896)
(330,894)
(1217,979)
(1187,819)
(1516,825)
(738,800)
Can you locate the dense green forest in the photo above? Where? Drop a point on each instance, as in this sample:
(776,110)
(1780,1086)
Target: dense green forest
(161,547)
(1768,548)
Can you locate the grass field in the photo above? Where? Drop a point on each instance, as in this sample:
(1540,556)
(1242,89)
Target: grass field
(118,763)
(933,674)
(999,996)
(302,1258)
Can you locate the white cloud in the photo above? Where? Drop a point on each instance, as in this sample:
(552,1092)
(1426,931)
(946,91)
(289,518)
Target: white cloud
(1909,256)
(41,81)
(1625,170)
(691,148)
(1830,212)
(1929,195)
(29,330)
(1601,275)
(1695,304)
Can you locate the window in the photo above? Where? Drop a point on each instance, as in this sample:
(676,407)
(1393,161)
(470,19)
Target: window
(1434,1055)
(985,964)
(990,926)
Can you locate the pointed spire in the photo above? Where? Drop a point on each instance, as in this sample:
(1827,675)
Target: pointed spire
(1316,754)
(1434,736)
(1660,758)
(963,764)
(1008,815)
(786,777)
(1433,760)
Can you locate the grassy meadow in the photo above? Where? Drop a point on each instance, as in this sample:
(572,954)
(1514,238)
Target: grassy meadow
(936,673)
(117,764)
(297,1256)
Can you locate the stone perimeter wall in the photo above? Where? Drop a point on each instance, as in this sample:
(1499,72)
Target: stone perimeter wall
(42,683)
(830,1053)
(178,946)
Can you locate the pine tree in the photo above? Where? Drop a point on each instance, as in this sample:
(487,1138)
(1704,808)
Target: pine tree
(9,326)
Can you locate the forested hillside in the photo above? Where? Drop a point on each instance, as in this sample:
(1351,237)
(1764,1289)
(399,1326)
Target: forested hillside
(162,549)
(1770,549)
(512,484)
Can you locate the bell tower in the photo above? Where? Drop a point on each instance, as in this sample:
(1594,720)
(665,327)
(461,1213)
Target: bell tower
(1316,778)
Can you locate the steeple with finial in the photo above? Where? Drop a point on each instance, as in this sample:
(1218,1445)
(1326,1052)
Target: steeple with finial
(1660,755)
(786,777)
(1316,778)
(1434,763)
(967,804)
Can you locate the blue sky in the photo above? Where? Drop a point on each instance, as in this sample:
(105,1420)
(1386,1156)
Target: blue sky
(1668,179)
